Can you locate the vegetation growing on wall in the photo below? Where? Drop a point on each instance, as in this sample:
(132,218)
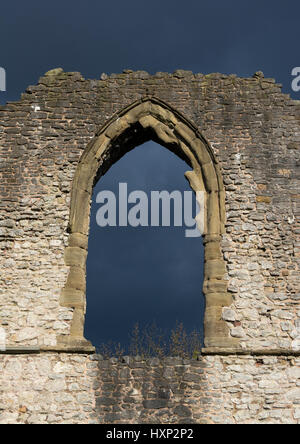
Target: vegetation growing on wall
(152,341)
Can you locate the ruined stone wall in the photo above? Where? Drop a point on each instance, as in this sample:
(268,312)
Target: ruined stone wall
(80,389)
(254,132)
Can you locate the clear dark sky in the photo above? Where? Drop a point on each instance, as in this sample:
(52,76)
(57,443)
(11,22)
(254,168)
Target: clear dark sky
(144,274)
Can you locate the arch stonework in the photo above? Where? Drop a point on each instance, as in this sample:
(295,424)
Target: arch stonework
(149,118)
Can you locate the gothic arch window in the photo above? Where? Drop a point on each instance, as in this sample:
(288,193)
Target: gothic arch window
(150,119)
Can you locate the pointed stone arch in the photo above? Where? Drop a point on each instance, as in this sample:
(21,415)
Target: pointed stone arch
(145,119)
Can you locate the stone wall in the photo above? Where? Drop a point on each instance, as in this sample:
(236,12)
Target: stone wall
(253,131)
(81,389)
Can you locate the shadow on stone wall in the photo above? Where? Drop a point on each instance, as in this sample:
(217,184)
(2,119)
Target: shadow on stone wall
(133,390)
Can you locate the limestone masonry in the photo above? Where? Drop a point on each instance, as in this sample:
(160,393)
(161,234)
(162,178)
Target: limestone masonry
(240,138)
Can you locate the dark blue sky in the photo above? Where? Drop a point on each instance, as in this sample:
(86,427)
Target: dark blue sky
(143,274)
(148,273)
(94,36)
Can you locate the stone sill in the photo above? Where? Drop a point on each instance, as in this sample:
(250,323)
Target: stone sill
(244,352)
(55,349)
(88,350)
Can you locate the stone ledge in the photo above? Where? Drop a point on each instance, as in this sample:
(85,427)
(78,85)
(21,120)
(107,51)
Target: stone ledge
(55,349)
(254,352)
(88,350)
(10,350)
